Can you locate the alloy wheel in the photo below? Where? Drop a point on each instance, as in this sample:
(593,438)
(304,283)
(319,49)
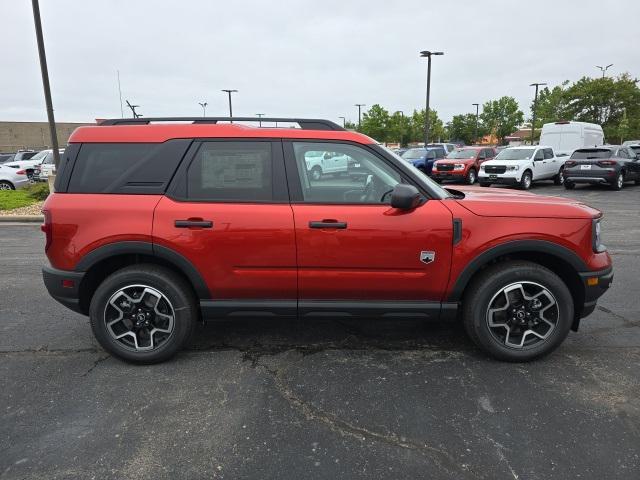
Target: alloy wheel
(620,180)
(5,186)
(522,315)
(139,318)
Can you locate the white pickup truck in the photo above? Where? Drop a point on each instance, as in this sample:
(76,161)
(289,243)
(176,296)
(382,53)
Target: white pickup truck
(521,166)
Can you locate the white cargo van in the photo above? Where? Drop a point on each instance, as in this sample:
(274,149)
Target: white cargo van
(565,137)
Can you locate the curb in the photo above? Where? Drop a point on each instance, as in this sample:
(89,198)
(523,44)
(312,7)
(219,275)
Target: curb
(21,218)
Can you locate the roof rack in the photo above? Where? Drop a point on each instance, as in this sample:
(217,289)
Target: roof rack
(305,123)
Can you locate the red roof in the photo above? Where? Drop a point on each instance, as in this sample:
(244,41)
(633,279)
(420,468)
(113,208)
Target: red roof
(157,133)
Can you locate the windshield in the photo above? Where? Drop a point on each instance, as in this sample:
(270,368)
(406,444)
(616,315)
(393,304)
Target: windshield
(636,149)
(463,153)
(414,153)
(39,155)
(515,154)
(592,153)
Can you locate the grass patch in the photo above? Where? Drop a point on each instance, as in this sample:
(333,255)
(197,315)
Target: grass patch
(10,199)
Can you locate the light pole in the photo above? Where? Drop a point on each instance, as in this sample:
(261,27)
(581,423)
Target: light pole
(535,104)
(45,82)
(477,105)
(204,108)
(344,122)
(229,92)
(401,125)
(260,115)
(360,105)
(428,54)
(604,69)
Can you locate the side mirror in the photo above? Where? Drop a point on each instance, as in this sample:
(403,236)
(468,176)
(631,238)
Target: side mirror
(405,197)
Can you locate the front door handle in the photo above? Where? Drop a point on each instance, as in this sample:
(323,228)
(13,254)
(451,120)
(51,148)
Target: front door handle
(328,224)
(193,223)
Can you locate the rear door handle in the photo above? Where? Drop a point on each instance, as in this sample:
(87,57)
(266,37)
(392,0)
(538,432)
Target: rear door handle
(193,223)
(328,224)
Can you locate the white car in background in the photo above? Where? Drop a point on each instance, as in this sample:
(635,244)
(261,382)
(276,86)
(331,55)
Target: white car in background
(521,166)
(12,178)
(320,163)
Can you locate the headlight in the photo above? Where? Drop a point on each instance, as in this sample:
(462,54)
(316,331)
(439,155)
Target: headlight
(513,168)
(596,238)
(458,166)
(482,167)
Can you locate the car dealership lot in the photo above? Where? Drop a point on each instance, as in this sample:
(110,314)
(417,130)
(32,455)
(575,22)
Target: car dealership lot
(331,398)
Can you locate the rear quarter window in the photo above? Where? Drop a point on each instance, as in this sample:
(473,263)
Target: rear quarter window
(135,168)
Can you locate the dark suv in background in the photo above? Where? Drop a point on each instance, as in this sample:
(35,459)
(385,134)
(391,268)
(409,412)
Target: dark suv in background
(611,165)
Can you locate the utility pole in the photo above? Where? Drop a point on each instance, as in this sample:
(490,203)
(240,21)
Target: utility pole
(45,83)
(344,122)
(260,115)
(428,54)
(360,105)
(133,109)
(229,92)
(401,125)
(535,105)
(204,108)
(477,105)
(120,93)
(604,69)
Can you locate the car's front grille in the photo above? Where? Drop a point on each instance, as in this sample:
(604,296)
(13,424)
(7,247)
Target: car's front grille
(495,168)
(445,167)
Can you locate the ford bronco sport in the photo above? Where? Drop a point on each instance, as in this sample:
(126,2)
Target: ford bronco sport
(156,224)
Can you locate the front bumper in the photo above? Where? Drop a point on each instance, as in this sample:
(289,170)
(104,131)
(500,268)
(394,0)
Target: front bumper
(498,179)
(64,286)
(456,175)
(595,285)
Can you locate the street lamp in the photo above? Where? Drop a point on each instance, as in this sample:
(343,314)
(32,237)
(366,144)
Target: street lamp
(360,105)
(344,122)
(401,125)
(260,115)
(535,104)
(604,69)
(229,92)
(477,105)
(428,54)
(204,108)
(45,82)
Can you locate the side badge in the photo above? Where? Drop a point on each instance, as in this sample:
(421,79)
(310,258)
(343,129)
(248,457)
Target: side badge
(427,256)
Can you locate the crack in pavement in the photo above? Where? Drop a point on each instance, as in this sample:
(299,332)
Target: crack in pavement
(627,323)
(95,364)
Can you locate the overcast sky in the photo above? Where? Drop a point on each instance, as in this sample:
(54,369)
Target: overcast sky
(302,58)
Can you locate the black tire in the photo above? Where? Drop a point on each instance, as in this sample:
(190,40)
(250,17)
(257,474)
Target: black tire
(6,185)
(484,184)
(166,282)
(316,173)
(487,287)
(559,178)
(619,182)
(526,180)
(471,177)
(569,185)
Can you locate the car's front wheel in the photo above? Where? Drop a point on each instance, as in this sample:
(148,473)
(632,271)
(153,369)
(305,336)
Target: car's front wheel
(471,176)
(316,173)
(525,181)
(517,311)
(143,313)
(4,185)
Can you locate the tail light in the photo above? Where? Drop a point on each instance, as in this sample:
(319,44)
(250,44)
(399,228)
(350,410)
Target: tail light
(569,163)
(607,163)
(21,172)
(47,228)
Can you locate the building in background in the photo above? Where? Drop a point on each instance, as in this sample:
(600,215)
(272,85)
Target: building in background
(34,135)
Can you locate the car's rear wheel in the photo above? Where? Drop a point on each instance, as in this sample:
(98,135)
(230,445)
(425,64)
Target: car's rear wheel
(5,185)
(559,178)
(143,313)
(518,311)
(471,176)
(618,183)
(525,181)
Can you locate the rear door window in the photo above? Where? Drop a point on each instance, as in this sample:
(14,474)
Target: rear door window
(548,153)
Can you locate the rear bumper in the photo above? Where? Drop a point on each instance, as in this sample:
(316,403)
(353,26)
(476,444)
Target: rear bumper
(592,177)
(64,286)
(595,285)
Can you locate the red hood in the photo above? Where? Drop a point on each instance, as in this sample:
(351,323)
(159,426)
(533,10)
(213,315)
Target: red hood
(499,202)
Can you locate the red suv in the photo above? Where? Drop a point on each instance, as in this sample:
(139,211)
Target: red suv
(158,223)
(462,165)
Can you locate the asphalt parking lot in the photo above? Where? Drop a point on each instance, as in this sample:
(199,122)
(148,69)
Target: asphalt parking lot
(328,399)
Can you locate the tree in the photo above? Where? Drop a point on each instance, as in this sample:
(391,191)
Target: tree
(349,125)
(552,105)
(399,128)
(502,116)
(436,127)
(375,123)
(463,127)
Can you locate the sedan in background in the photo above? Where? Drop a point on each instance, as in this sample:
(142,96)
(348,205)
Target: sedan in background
(6,157)
(611,165)
(12,178)
(462,165)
